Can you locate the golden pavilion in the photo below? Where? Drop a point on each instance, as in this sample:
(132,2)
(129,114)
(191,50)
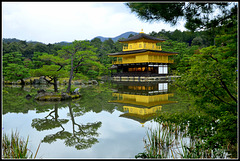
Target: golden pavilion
(141,58)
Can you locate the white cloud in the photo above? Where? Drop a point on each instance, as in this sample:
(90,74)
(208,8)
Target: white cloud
(52,22)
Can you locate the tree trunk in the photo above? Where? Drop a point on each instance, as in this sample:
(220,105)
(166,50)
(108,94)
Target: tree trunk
(71,76)
(56,112)
(55,84)
(22,82)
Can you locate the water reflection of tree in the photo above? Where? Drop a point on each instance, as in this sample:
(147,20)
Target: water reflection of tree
(96,99)
(20,103)
(49,123)
(82,136)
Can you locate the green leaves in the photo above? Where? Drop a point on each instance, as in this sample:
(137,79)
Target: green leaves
(84,57)
(54,59)
(158,11)
(213,73)
(197,15)
(212,79)
(54,66)
(79,53)
(15,72)
(48,70)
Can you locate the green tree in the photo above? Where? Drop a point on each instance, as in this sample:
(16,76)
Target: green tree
(197,41)
(198,16)
(177,36)
(39,47)
(213,72)
(53,71)
(181,62)
(212,79)
(79,53)
(28,51)
(28,63)
(97,43)
(53,48)
(108,45)
(13,67)
(101,52)
(188,36)
(16,72)
(36,60)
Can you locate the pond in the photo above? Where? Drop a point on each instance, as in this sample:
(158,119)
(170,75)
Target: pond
(110,120)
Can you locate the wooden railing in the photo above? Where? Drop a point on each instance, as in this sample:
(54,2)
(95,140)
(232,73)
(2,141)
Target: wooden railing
(117,62)
(136,47)
(142,61)
(137,74)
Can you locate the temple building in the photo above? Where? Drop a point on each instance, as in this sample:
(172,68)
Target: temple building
(141,59)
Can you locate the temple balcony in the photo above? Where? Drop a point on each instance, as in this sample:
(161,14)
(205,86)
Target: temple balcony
(139,46)
(143,61)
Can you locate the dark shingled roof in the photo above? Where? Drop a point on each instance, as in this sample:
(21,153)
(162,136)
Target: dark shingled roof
(139,51)
(141,35)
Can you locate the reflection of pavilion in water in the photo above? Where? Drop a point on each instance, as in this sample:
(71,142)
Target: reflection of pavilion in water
(142,101)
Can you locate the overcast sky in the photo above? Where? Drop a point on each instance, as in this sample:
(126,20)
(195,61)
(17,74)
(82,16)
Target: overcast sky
(51,22)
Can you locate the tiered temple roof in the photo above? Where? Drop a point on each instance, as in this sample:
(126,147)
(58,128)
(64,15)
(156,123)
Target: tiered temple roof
(142,51)
(142,36)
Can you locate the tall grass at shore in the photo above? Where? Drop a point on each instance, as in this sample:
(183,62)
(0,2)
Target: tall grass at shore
(14,147)
(166,142)
(197,149)
(159,142)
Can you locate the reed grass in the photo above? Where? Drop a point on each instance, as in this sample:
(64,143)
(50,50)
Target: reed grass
(159,142)
(163,143)
(197,149)
(14,147)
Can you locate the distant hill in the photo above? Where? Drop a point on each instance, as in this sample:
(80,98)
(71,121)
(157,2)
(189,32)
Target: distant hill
(10,40)
(124,35)
(63,43)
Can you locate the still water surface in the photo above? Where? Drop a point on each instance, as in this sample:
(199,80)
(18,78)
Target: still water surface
(108,121)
